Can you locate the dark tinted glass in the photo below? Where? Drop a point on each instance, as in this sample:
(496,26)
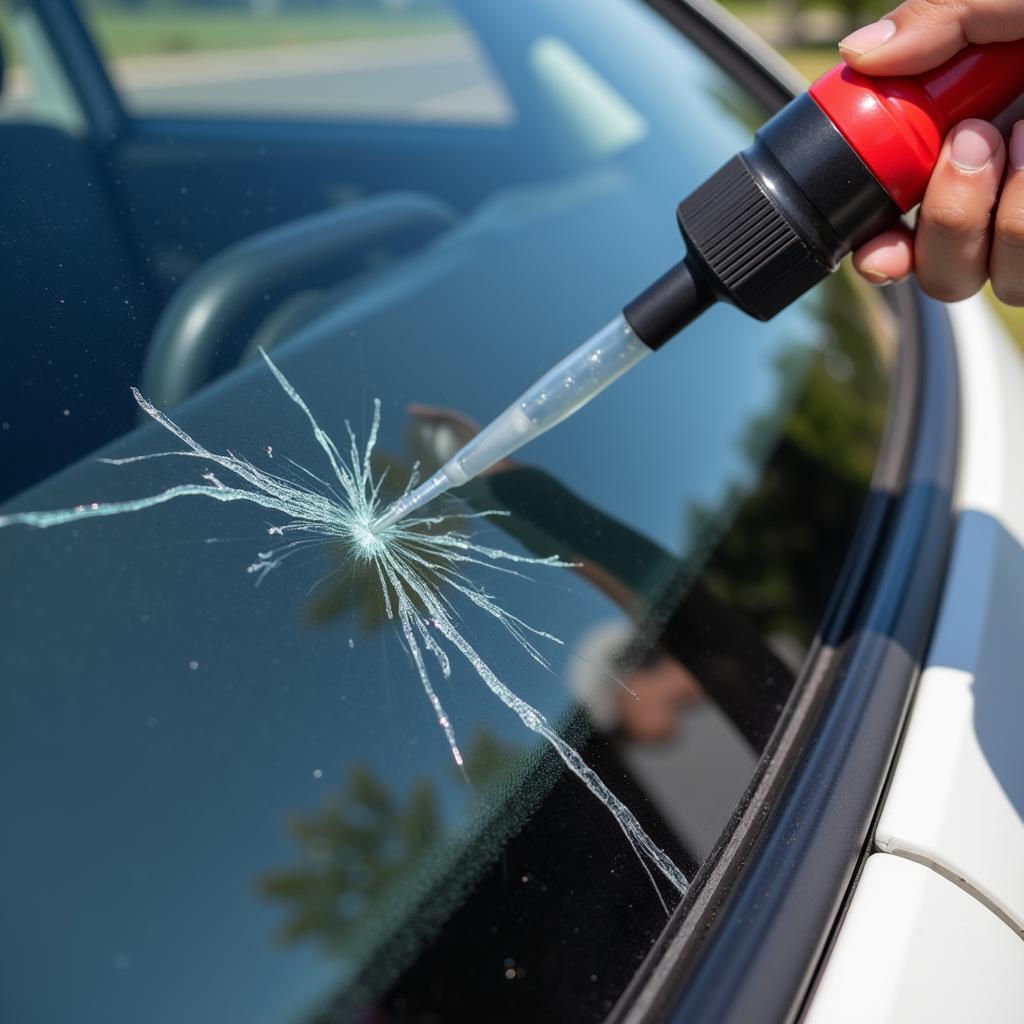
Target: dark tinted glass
(231,802)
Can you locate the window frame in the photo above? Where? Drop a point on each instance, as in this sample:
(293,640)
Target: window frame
(75,50)
(749,938)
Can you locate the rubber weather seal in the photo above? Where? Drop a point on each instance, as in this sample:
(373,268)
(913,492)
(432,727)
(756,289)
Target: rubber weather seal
(743,55)
(749,938)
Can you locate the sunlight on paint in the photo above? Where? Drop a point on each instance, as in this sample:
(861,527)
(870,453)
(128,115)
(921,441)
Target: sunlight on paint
(414,560)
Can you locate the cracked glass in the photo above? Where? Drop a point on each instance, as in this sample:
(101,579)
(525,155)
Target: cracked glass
(252,771)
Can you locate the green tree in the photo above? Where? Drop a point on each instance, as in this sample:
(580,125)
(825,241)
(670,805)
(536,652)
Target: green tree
(365,846)
(779,559)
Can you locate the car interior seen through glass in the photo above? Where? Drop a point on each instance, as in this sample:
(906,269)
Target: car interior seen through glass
(228,796)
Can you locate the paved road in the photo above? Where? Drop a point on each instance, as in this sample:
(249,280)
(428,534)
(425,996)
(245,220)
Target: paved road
(429,77)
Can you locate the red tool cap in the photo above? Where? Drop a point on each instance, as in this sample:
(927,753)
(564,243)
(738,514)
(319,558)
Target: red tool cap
(897,125)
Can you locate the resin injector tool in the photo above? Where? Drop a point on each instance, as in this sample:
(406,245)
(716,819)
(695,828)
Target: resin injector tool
(835,167)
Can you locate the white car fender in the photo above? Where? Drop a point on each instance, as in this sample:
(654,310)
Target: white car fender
(933,930)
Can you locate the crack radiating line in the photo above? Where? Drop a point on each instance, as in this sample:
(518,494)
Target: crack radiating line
(413,560)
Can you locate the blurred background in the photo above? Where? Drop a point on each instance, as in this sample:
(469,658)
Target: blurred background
(165,52)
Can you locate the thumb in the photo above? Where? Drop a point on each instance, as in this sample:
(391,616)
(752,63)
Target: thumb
(922,34)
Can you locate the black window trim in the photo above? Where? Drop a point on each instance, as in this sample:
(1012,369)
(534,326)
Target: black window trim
(749,938)
(76,51)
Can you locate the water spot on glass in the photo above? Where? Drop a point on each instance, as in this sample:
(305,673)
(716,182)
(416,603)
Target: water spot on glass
(318,773)
(838,365)
(193,665)
(512,970)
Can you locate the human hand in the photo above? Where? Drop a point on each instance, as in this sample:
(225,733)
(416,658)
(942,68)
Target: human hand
(653,699)
(452,430)
(971,223)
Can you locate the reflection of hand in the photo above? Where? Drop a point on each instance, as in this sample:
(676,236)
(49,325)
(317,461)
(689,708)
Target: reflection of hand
(971,224)
(462,427)
(663,691)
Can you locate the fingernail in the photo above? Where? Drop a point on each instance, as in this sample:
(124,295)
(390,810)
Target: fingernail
(1017,146)
(875,276)
(971,149)
(869,37)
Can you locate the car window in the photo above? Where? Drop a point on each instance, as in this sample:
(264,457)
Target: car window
(242,781)
(34,85)
(416,61)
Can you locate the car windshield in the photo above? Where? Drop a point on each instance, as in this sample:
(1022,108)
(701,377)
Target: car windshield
(255,769)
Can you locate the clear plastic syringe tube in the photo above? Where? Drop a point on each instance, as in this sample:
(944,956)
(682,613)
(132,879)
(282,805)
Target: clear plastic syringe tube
(577,379)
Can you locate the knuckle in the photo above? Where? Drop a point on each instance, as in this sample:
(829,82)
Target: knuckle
(950,291)
(953,223)
(1008,292)
(943,11)
(1010,229)
(950,283)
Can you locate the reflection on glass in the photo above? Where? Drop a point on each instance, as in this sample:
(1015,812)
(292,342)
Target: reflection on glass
(235,804)
(406,61)
(366,844)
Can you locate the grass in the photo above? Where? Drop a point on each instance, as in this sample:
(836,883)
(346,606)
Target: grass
(125,33)
(812,61)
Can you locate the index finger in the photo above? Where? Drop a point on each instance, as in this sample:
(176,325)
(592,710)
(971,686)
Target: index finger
(922,34)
